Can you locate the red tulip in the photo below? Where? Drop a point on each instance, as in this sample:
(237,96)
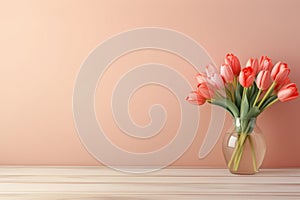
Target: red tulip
(234,63)
(280,72)
(253,62)
(288,92)
(246,77)
(265,63)
(204,90)
(263,80)
(195,98)
(227,73)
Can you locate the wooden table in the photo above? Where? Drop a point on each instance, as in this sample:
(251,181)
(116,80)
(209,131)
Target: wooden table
(94,183)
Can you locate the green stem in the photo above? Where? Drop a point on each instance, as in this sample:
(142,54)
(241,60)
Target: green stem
(267,94)
(239,157)
(234,83)
(232,90)
(219,94)
(253,154)
(244,93)
(228,92)
(271,103)
(234,153)
(242,109)
(257,97)
(237,154)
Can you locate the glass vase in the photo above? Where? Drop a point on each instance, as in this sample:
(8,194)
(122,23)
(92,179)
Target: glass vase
(244,147)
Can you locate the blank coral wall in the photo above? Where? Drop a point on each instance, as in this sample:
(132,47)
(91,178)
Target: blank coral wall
(43,43)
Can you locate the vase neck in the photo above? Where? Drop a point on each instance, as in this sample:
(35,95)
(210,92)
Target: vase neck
(238,120)
(244,125)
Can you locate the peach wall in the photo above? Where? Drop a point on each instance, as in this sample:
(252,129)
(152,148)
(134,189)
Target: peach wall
(43,44)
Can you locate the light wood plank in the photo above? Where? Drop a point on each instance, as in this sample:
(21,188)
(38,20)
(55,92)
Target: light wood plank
(19,182)
(93,170)
(144,197)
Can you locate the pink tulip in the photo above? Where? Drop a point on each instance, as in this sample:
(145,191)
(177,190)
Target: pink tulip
(201,78)
(285,82)
(227,73)
(280,72)
(213,77)
(216,81)
(288,92)
(265,63)
(195,98)
(234,63)
(204,90)
(246,77)
(263,80)
(253,62)
(210,70)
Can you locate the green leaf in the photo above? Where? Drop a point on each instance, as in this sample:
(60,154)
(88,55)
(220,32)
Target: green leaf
(244,106)
(228,94)
(250,126)
(254,93)
(238,96)
(267,101)
(232,107)
(253,112)
(250,91)
(228,105)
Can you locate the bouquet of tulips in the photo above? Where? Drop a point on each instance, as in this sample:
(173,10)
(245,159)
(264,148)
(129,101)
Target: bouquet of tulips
(244,93)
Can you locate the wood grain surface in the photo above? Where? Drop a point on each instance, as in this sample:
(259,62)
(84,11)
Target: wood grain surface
(92,183)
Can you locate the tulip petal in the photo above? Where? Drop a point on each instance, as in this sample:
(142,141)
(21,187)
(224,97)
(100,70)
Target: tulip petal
(288,92)
(210,70)
(195,98)
(227,73)
(234,63)
(263,80)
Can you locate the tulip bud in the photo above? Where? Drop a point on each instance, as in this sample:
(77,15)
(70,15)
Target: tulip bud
(204,90)
(263,80)
(253,62)
(288,92)
(195,98)
(246,77)
(210,70)
(234,63)
(216,81)
(265,63)
(227,73)
(280,72)
(201,78)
